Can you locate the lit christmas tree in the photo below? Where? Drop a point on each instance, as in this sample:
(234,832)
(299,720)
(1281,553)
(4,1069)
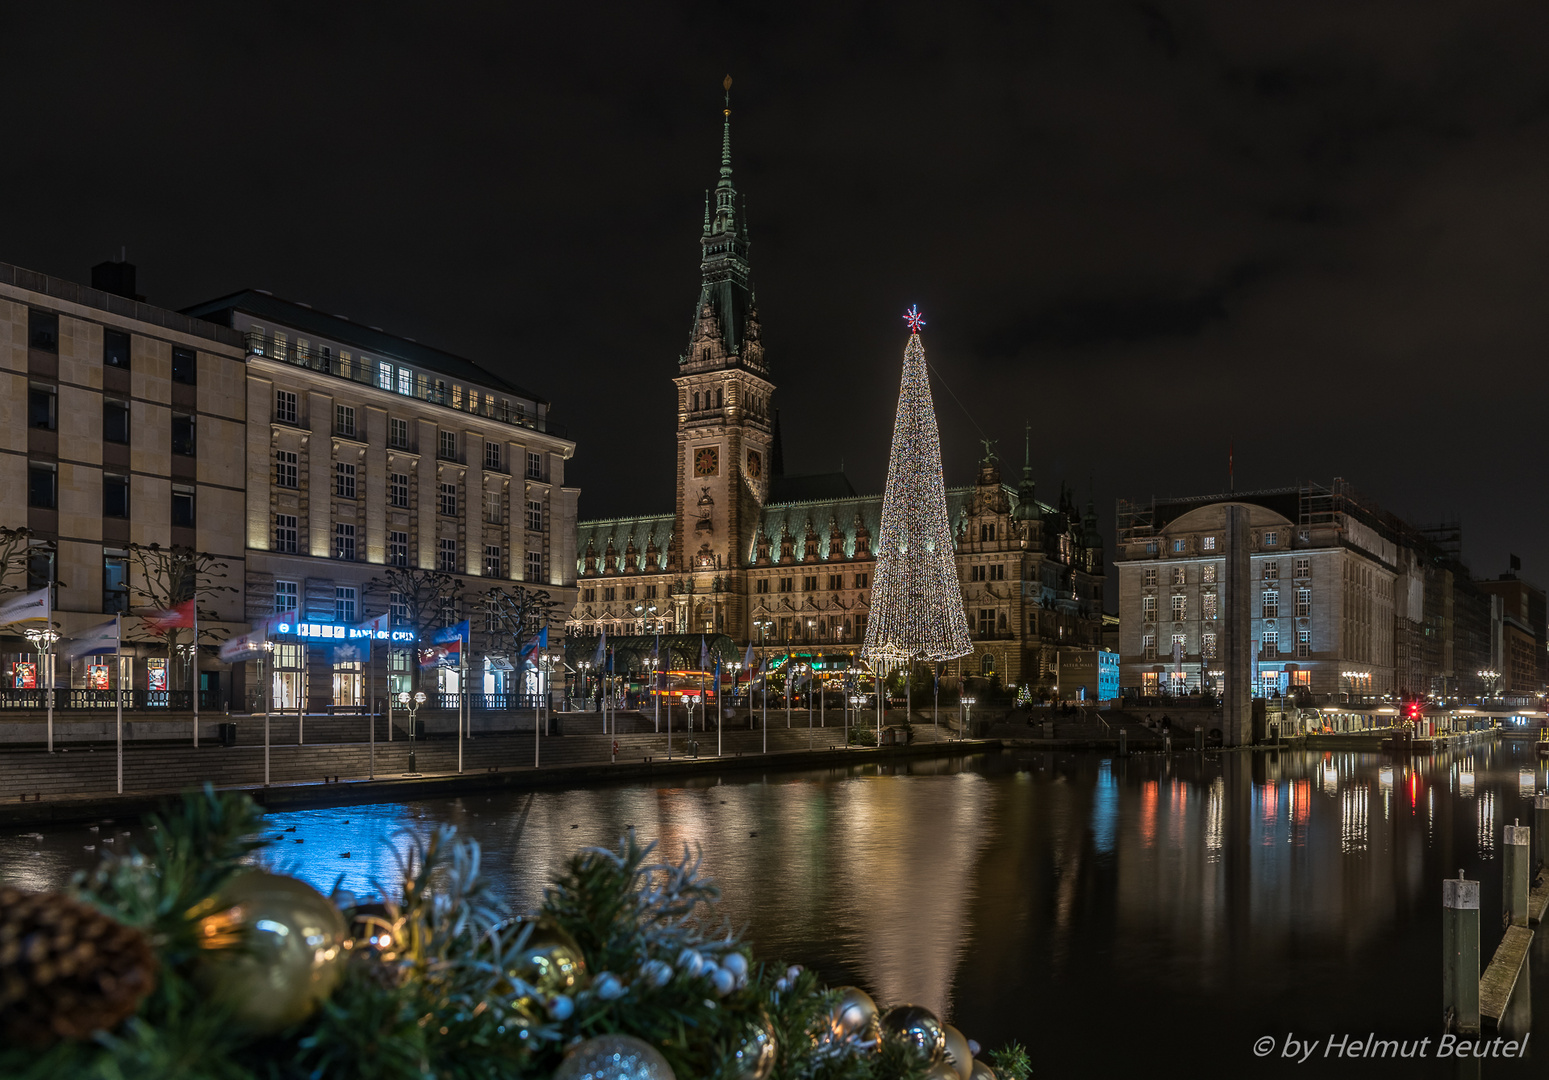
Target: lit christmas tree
(916,603)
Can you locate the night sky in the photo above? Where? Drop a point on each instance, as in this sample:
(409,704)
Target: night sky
(1319,229)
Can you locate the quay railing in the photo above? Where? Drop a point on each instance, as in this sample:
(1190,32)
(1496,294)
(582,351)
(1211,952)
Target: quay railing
(73,699)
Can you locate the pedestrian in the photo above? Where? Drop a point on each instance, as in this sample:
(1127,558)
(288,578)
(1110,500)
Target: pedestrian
(599,697)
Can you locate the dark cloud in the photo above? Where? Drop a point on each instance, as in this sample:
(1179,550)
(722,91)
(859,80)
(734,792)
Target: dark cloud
(1152,228)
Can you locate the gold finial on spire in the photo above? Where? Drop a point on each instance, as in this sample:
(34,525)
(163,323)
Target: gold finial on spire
(726,85)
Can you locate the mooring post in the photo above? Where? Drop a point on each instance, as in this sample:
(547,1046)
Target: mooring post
(1541,829)
(1516,874)
(1460,955)
(1123,743)
(1199,737)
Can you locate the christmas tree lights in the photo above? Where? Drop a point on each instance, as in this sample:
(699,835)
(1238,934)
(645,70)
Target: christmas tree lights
(916,603)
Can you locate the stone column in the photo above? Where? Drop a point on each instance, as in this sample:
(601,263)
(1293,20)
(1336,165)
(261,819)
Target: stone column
(1237,631)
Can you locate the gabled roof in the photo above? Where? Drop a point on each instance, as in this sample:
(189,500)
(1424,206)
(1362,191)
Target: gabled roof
(834,485)
(302,317)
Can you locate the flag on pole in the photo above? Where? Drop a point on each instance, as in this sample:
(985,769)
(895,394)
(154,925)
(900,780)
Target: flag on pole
(610,661)
(458,633)
(748,661)
(382,624)
(704,654)
(602,644)
(242,647)
(716,693)
(280,618)
(33,605)
(93,641)
(541,641)
(442,654)
(174,618)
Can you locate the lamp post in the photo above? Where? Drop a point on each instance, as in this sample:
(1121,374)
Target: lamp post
(585,666)
(968,707)
(264,682)
(43,642)
(652,663)
(763,622)
(644,611)
(1491,678)
(412,703)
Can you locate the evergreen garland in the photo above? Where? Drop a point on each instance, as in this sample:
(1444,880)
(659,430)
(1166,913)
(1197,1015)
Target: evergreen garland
(428,987)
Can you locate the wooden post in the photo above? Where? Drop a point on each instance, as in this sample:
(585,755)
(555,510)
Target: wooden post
(1541,829)
(1516,875)
(1123,743)
(1460,955)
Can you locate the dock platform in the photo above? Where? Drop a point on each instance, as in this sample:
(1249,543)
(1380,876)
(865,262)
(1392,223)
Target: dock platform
(1500,978)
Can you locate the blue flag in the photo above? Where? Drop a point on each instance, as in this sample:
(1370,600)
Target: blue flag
(450,633)
(717,692)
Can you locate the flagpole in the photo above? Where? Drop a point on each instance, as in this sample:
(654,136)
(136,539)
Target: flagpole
(763,662)
(370,682)
(264,680)
(720,713)
(787,689)
(118,694)
(48,651)
(196,663)
(462,697)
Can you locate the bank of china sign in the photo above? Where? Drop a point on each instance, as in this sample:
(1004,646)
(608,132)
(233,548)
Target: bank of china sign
(328,631)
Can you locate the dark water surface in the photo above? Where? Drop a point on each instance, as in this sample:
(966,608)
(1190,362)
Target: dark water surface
(1139,914)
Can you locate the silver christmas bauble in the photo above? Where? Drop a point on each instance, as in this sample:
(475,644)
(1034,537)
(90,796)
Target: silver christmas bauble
(941,1070)
(957,1053)
(754,1058)
(981,1071)
(853,1014)
(614,1057)
(916,1026)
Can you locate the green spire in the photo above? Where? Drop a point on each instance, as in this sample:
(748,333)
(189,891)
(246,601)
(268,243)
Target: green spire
(725,181)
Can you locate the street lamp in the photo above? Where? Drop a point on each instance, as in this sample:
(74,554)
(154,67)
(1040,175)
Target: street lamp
(968,708)
(1490,677)
(412,703)
(585,666)
(264,683)
(644,611)
(652,664)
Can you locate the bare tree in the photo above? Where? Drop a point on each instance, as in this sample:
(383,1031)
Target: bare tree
(17,552)
(422,595)
(515,616)
(173,575)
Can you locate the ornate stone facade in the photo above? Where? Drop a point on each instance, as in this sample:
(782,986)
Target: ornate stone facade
(785,562)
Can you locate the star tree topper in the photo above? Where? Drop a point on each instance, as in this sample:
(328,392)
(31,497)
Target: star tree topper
(914,318)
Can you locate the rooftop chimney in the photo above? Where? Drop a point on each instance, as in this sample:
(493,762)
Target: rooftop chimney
(116,278)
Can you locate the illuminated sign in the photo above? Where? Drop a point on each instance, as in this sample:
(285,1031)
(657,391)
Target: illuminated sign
(330,632)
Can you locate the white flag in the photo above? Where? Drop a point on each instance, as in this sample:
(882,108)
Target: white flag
(242,647)
(33,605)
(92,641)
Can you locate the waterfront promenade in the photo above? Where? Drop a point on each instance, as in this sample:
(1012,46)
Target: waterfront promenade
(80,781)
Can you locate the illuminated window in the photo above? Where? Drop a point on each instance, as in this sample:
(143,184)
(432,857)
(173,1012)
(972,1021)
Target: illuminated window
(1271,570)
(286,596)
(1148,576)
(1271,600)
(1180,607)
(1208,543)
(1179,545)
(1303,602)
(1178,576)
(1303,644)
(397,549)
(1303,568)
(1209,604)
(405,382)
(1148,608)
(1271,643)
(285,533)
(1207,572)
(384,375)
(1207,645)
(1148,646)
(1271,539)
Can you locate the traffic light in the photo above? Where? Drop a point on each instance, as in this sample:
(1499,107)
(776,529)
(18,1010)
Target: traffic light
(1415,710)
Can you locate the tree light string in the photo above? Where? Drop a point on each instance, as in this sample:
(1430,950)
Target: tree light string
(917,602)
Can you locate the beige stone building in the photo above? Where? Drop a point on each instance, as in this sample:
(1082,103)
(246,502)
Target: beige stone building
(120,423)
(366,450)
(751,555)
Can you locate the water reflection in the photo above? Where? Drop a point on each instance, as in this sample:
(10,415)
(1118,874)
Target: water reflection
(1032,895)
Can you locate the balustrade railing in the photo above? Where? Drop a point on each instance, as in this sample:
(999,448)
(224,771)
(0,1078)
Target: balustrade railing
(77,699)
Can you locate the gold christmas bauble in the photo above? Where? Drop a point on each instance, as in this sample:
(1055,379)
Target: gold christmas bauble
(941,1070)
(915,1026)
(550,962)
(853,1014)
(271,949)
(754,1057)
(981,1071)
(957,1053)
(614,1057)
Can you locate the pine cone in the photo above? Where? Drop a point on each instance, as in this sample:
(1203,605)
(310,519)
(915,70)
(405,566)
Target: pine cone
(66,969)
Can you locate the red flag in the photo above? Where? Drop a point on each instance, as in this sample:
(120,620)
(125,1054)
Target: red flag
(172,619)
(444,654)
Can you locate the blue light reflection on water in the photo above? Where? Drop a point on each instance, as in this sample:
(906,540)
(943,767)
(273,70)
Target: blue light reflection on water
(1030,895)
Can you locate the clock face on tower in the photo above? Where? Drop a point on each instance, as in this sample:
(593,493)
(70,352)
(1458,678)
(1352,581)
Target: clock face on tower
(755,464)
(707,461)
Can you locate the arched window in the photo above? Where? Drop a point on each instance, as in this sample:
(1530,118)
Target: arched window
(696,400)
(718,398)
(847,629)
(987,664)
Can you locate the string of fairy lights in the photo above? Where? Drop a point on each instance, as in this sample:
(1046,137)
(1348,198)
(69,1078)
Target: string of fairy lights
(916,601)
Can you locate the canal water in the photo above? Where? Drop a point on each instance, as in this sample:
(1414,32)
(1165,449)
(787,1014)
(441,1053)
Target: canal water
(1112,914)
